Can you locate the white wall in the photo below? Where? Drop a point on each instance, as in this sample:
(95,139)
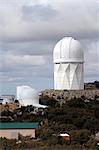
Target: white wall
(68,76)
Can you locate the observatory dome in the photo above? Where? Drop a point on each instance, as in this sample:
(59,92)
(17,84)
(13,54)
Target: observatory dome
(28,96)
(68,50)
(68,61)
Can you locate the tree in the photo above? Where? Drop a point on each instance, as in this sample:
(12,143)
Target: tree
(81,136)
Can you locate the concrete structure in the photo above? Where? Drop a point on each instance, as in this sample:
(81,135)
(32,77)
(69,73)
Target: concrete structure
(28,96)
(7,99)
(12,130)
(68,65)
(1,100)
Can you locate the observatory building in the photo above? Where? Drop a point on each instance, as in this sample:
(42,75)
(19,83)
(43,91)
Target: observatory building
(28,96)
(7,99)
(68,61)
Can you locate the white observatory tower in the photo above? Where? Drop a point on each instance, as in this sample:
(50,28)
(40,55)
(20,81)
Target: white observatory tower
(68,61)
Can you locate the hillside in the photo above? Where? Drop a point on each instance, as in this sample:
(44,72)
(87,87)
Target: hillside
(90,92)
(77,117)
(72,112)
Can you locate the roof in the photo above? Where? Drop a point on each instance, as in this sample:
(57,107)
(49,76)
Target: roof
(64,134)
(18,125)
(68,50)
(39,106)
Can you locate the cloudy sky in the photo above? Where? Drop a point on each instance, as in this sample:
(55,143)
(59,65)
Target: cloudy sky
(29,30)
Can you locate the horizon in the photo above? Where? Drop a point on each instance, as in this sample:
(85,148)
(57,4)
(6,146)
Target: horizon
(40,90)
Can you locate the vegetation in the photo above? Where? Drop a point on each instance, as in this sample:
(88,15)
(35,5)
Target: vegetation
(78,117)
(96,84)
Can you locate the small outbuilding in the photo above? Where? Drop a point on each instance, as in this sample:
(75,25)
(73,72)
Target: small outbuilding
(65,136)
(12,130)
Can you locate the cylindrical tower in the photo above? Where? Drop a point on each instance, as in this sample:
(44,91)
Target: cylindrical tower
(68,61)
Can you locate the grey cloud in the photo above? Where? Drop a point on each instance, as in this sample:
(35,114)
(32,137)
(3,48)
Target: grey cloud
(35,31)
(91,54)
(38,12)
(73,19)
(17,73)
(12,61)
(28,48)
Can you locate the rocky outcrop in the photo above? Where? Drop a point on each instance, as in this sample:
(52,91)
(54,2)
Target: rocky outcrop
(66,95)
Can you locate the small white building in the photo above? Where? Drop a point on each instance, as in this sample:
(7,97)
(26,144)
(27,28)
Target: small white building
(28,96)
(65,136)
(7,99)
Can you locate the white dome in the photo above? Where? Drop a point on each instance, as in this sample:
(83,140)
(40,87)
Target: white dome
(28,96)
(68,61)
(68,50)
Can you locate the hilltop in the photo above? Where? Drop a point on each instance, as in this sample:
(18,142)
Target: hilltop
(90,92)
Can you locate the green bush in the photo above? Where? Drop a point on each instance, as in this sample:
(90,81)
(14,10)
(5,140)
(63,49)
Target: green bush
(81,136)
